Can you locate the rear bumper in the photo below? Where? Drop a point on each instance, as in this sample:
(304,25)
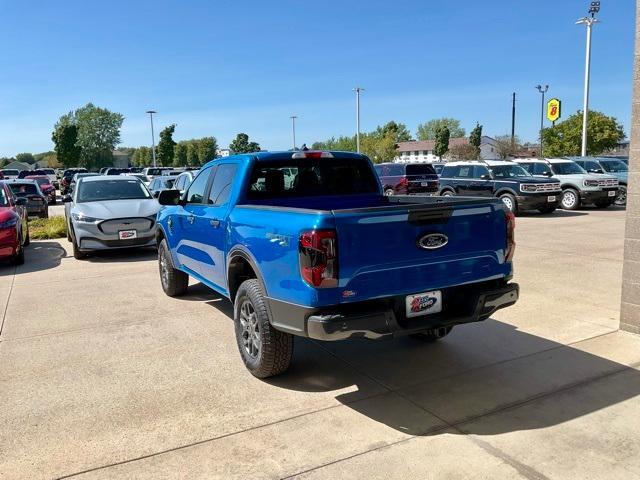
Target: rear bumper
(386,317)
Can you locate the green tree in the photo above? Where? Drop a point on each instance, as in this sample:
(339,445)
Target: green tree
(26,158)
(603,133)
(166,145)
(98,134)
(241,144)
(441,145)
(192,153)
(427,130)
(65,136)
(340,144)
(207,148)
(475,138)
(399,131)
(142,157)
(180,155)
(462,152)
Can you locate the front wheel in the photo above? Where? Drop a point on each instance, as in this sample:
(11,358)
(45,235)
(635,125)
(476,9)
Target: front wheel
(570,199)
(447,193)
(432,335)
(621,198)
(510,202)
(77,253)
(389,191)
(18,258)
(265,351)
(174,282)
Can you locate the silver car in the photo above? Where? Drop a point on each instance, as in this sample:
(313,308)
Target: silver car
(107,212)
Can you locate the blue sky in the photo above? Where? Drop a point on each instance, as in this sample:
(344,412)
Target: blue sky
(222,67)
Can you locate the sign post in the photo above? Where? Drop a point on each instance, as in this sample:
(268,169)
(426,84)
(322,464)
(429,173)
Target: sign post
(554,110)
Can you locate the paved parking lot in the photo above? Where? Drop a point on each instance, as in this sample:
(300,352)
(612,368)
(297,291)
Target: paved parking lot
(102,376)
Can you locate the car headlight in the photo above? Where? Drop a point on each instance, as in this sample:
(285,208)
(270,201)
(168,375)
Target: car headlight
(81,217)
(9,223)
(591,183)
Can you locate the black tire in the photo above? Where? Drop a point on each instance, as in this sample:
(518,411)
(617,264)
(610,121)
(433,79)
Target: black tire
(621,198)
(69,233)
(77,254)
(265,351)
(174,282)
(432,335)
(18,258)
(389,191)
(447,193)
(570,199)
(27,239)
(547,209)
(510,202)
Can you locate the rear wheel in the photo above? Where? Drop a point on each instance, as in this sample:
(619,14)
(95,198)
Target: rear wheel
(265,351)
(510,202)
(570,199)
(174,282)
(389,191)
(432,335)
(447,193)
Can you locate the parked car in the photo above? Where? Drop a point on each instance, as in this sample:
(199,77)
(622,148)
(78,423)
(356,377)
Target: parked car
(184,180)
(14,227)
(407,178)
(107,212)
(508,181)
(76,177)
(330,256)
(161,183)
(608,166)
(53,178)
(152,172)
(578,186)
(438,166)
(116,171)
(140,176)
(10,173)
(36,205)
(46,187)
(67,178)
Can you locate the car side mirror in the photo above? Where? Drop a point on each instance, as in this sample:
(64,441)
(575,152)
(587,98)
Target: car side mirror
(596,170)
(21,201)
(66,199)
(156,193)
(169,197)
(547,174)
(486,176)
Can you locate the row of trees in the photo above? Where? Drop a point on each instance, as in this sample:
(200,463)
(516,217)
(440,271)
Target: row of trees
(50,159)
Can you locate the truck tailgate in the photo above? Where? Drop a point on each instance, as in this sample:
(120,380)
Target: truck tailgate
(379,252)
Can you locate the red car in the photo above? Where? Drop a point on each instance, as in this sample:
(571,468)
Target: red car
(45,185)
(408,178)
(14,229)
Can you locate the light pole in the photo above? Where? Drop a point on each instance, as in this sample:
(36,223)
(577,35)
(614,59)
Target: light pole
(153,139)
(358,90)
(293,128)
(542,90)
(588,21)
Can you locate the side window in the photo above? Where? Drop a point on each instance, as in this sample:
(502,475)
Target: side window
(221,186)
(465,171)
(153,185)
(195,194)
(591,165)
(449,172)
(480,170)
(528,167)
(396,170)
(540,168)
(379,169)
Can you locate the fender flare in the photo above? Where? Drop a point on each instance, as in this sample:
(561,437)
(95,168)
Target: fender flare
(505,190)
(244,253)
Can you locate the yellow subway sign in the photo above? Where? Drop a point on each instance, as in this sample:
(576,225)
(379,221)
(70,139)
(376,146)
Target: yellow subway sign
(554,109)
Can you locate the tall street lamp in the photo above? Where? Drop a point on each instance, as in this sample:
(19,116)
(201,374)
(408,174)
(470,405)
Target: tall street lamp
(589,22)
(542,90)
(358,90)
(293,128)
(153,139)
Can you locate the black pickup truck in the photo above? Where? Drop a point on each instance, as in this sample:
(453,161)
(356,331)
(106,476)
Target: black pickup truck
(516,187)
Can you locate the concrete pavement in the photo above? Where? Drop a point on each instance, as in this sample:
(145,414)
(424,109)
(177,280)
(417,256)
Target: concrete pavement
(103,376)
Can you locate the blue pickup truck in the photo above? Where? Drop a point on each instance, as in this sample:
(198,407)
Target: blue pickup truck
(306,244)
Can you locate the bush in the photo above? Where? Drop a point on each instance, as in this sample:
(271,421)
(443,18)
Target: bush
(48,228)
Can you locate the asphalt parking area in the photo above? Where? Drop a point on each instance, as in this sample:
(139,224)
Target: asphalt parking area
(103,376)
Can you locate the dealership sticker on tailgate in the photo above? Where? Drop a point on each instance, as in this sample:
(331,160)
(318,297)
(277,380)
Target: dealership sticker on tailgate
(424,303)
(127,234)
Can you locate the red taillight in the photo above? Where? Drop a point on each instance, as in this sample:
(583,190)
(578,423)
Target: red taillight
(318,258)
(511,239)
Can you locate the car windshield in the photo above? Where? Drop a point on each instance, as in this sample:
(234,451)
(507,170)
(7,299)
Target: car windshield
(509,171)
(24,189)
(104,190)
(11,172)
(41,181)
(567,168)
(309,177)
(49,171)
(614,166)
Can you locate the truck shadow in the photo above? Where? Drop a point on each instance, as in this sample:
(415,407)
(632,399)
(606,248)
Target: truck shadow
(480,379)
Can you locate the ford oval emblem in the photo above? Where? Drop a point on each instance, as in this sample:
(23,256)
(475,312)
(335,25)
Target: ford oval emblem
(432,241)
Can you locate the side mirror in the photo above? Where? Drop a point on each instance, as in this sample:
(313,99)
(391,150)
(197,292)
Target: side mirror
(156,193)
(547,174)
(596,170)
(21,201)
(66,199)
(486,176)
(169,197)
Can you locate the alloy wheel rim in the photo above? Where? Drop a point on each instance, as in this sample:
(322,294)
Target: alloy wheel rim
(507,201)
(164,269)
(251,340)
(621,199)
(568,199)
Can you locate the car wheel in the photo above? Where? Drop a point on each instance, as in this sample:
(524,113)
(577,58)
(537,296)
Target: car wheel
(265,351)
(547,209)
(432,335)
(510,202)
(77,254)
(570,199)
(446,193)
(18,258)
(174,282)
(69,239)
(389,191)
(621,198)
(27,239)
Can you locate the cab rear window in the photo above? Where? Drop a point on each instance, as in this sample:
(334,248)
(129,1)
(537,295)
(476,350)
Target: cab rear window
(421,169)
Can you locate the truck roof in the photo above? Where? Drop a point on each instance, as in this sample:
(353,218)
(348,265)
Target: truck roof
(287,155)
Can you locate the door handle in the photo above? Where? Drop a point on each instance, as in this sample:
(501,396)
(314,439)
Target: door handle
(215,223)
(191,219)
